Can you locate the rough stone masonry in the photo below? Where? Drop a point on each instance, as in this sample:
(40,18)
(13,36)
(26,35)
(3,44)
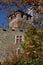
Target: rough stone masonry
(6,39)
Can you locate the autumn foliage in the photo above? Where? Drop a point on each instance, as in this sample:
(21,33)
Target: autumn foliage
(21,1)
(33,47)
(30,1)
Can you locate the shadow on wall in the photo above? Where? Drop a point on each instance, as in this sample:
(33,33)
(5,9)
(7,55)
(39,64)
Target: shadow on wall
(0,63)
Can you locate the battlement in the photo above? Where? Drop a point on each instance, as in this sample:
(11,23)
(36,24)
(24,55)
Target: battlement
(20,21)
(19,15)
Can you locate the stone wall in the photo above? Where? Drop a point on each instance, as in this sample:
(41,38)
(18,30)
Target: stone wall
(7,40)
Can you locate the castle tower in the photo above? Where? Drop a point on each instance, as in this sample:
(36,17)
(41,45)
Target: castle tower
(15,22)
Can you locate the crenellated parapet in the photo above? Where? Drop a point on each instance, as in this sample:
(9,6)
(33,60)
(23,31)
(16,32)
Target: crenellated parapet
(19,21)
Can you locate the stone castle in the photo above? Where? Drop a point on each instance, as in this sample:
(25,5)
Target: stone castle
(19,21)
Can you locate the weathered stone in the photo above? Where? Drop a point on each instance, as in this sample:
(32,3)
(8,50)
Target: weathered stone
(7,45)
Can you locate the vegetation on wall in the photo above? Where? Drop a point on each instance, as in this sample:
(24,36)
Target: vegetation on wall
(32,47)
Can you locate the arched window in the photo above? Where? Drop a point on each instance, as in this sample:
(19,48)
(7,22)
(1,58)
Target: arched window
(19,38)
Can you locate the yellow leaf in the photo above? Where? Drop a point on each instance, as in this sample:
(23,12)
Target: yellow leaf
(31,46)
(34,51)
(27,53)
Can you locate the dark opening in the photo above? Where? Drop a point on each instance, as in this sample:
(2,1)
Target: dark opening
(0,63)
(21,30)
